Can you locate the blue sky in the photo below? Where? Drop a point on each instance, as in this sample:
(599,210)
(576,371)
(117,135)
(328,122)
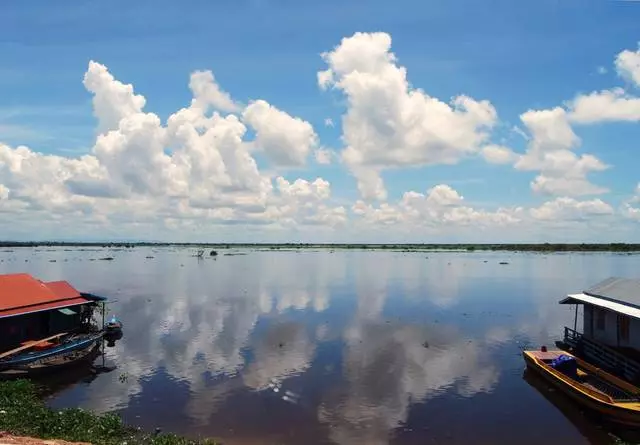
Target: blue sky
(519,56)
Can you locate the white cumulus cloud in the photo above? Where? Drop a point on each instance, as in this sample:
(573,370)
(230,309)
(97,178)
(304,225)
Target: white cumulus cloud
(562,172)
(388,123)
(112,100)
(498,154)
(286,140)
(323,156)
(605,105)
(569,209)
(203,168)
(196,167)
(441,206)
(628,65)
(207,93)
(4,192)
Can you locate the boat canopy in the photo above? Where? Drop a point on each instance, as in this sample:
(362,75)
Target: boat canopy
(23,294)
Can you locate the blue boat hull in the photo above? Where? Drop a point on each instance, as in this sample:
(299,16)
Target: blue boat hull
(65,352)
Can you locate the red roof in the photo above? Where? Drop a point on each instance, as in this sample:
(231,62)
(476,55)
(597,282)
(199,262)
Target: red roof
(63,289)
(22,294)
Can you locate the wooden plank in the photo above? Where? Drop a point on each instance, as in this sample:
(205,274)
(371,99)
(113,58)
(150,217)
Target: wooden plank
(22,348)
(546,355)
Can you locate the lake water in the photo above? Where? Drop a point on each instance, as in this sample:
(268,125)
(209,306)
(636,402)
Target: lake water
(319,347)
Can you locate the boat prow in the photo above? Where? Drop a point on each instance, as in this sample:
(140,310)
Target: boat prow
(592,387)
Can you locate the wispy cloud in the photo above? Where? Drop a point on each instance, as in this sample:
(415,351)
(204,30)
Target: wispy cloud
(30,111)
(11,132)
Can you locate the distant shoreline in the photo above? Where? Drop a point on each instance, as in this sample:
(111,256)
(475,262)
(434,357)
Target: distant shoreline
(541,247)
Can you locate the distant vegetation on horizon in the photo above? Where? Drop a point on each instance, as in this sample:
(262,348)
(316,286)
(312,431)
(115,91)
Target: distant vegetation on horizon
(540,247)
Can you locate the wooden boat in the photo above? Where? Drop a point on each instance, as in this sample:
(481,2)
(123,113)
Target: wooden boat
(590,425)
(68,350)
(617,400)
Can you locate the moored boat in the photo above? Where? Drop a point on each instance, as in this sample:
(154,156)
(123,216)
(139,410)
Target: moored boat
(113,326)
(592,387)
(69,350)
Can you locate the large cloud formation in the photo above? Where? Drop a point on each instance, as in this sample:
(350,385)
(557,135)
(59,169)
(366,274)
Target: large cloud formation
(390,124)
(219,162)
(197,166)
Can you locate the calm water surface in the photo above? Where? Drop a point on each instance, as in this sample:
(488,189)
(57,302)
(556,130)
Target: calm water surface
(331,347)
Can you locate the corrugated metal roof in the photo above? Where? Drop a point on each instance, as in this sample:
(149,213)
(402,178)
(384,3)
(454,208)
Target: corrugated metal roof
(603,303)
(22,293)
(622,290)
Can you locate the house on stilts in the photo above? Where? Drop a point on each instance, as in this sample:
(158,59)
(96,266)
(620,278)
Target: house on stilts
(45,325)
(610,336)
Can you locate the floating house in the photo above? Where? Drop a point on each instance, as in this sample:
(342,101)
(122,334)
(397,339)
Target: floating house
(31,310)
(610,334)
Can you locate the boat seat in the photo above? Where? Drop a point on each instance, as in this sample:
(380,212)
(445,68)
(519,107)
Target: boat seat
(38,345)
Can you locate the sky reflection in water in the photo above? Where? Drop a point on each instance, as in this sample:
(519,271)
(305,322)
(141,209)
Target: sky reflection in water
(320,347)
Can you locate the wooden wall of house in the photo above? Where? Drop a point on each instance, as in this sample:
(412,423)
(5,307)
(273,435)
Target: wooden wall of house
(15,330)
(18,329)
(608,327)
(587,326)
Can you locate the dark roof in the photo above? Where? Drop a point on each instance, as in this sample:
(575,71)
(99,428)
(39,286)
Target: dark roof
(621,290)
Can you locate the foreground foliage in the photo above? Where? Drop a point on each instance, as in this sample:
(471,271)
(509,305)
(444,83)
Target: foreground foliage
(23,413)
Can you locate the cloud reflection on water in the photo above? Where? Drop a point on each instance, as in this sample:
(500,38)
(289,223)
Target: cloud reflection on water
(363,336)
(388,365)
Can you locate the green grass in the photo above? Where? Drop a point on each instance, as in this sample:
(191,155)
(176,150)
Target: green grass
(23,413)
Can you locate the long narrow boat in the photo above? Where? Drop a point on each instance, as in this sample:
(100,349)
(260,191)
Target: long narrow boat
(614,398)
(70,350)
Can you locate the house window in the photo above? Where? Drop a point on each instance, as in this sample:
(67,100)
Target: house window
(624,327)
(600,314)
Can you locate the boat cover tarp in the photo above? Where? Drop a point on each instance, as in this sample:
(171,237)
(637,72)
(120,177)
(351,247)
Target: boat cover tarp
(566,365)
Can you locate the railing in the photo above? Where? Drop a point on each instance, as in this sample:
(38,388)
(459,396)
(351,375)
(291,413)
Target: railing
(602,355)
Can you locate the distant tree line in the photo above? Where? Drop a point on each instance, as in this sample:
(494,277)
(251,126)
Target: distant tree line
(543,247)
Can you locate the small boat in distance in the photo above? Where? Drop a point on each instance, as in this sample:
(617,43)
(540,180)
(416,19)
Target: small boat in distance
(45,326)
(615,399)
